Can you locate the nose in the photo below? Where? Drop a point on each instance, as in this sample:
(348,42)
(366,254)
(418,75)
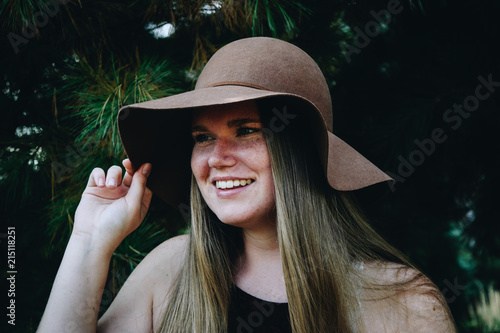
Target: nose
(222,154)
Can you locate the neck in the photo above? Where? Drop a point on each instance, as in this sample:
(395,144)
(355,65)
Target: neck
(259,269)
(262,240)
(261,248)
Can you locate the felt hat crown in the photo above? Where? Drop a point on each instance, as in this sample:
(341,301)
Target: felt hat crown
(248,69)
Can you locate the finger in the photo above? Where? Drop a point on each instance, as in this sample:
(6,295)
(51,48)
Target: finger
(127,180)
(138,186)
(97,178)
(114,177)
(146,200)
(128,165)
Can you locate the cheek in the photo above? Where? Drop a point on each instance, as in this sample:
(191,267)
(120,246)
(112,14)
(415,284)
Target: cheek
(261,161)
(199,165)
(261,158)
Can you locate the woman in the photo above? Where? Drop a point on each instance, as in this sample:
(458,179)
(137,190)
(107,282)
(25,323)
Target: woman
(276,242)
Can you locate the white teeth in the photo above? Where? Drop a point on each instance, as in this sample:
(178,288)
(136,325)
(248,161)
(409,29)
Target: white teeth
(223,184)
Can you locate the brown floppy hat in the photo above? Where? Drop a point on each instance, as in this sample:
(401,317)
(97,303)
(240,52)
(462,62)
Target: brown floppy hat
(248,69)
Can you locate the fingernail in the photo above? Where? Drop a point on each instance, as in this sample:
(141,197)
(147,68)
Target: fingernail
(100,182)
(112,182)
(146,169)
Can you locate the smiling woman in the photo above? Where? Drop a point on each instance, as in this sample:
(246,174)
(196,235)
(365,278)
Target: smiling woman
(276,241)
(230,148)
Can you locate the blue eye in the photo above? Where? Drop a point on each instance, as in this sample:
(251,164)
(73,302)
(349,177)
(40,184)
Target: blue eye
(242,131)
(200,138)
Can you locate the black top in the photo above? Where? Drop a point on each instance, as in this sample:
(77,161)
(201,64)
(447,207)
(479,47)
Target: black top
(249,314)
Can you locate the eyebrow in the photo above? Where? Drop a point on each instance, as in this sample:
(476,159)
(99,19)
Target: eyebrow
(231,123)
(241,122)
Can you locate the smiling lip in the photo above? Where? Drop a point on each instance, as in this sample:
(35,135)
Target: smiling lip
(225,187)
(232,183)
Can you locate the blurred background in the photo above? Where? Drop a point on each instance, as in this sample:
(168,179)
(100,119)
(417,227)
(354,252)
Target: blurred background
(414,87)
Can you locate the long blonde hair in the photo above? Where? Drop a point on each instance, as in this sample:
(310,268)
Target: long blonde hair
(323,239)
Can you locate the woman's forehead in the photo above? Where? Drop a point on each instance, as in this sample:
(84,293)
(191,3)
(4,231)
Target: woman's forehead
(226,112)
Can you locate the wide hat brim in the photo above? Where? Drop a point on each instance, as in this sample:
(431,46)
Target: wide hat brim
(158,132)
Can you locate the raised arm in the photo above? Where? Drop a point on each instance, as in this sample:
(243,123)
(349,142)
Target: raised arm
(108,211)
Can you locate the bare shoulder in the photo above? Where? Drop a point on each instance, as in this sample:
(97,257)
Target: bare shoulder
(165,263)
(398,298)
(136,307)
(169,252)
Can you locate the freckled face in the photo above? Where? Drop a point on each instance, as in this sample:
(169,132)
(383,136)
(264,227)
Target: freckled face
(231,164)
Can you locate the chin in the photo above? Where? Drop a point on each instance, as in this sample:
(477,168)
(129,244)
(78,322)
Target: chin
(249,217)
(232,218)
